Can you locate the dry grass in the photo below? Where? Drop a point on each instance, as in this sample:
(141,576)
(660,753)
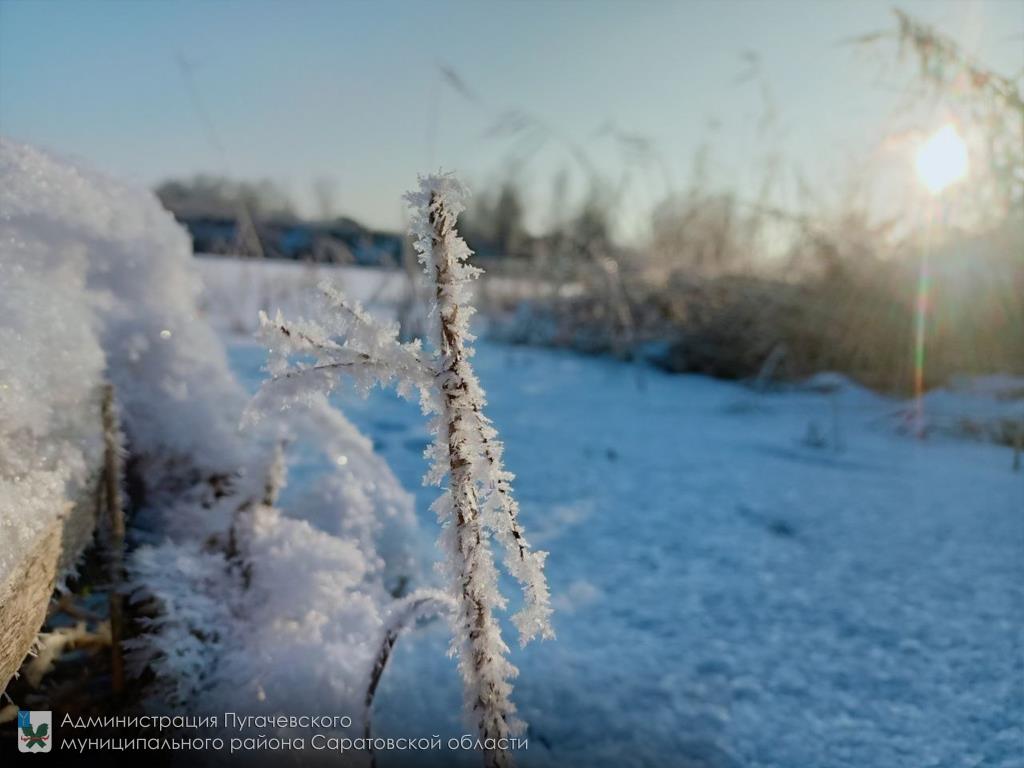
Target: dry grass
(853,312)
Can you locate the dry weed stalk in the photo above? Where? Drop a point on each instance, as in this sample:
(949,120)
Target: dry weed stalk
(477,503)
(113,479)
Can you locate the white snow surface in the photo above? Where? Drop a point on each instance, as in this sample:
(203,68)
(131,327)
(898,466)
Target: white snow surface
(235,290)
(984,408)
(47,446)
(725,594)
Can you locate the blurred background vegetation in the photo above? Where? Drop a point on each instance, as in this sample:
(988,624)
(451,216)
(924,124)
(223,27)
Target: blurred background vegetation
(720,283)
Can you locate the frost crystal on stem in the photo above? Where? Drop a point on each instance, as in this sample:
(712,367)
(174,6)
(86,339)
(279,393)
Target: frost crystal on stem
(477,502)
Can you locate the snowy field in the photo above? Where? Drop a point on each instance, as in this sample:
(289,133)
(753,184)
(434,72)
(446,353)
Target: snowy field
(234,291)
(739,579)
(726,595)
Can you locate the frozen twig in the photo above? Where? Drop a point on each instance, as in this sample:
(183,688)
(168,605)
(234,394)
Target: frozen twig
(477,501)
(419,605)
(470,564)
(113,475)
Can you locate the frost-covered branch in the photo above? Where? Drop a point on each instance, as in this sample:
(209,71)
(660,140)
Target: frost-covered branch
(370,353)
(501,510)
(477,502)
(444,256)
(470,564)
(478,499)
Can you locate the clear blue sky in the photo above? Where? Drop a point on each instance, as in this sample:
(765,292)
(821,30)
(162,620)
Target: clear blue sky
(354,91)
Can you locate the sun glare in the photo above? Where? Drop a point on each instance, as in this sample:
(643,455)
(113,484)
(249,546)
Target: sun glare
(941,159)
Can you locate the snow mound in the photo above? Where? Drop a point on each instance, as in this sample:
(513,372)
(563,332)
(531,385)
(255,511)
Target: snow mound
(986,408)
(100,284)
(47,446)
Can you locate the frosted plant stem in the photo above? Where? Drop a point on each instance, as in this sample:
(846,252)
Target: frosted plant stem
(420,604)
(492,707)
(477,502)
(525,565)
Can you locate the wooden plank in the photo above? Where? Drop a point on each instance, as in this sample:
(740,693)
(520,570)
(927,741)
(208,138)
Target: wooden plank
(25,595)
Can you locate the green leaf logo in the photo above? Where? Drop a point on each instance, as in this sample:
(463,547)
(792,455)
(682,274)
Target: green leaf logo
(33,737)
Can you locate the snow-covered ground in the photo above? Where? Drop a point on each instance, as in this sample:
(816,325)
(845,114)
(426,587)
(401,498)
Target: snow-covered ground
(727,595)
(235,290)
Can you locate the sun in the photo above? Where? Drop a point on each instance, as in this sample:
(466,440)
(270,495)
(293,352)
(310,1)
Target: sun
(941,160)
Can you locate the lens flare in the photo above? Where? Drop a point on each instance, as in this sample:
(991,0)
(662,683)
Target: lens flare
(920,328)
(942,159)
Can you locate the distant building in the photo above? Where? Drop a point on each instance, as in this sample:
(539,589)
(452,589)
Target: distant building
(341,240)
